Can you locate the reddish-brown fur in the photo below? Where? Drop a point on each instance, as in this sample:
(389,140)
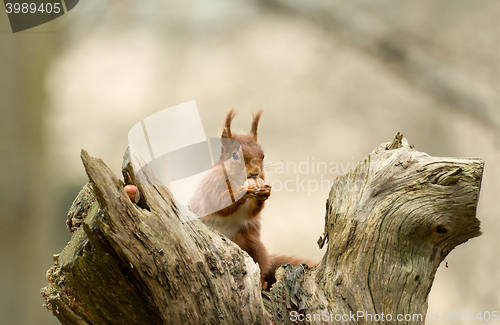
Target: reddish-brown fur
(246,218)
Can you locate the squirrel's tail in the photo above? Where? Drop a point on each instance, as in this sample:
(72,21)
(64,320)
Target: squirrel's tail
(277,260)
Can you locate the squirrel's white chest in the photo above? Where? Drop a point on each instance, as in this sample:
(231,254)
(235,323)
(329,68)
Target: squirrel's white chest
(230,225)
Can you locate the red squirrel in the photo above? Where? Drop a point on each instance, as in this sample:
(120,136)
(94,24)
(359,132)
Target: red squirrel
(240,219)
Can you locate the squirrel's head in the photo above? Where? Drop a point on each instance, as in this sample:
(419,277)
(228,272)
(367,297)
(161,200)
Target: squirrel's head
(253,155)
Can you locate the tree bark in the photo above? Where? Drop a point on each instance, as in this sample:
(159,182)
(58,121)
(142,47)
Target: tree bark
(26,193)
(389,223)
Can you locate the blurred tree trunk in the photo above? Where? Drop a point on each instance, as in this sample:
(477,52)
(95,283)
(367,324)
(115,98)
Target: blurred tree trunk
(389,224)
(404,52)
(25,192)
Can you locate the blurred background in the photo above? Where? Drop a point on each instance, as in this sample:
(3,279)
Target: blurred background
(335,79)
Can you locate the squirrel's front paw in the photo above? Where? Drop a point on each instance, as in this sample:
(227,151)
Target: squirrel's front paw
(262,193)
(243,193)
(246,192)
(257,189)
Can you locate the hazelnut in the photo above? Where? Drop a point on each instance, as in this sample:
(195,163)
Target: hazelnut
(133,193)
(255,182)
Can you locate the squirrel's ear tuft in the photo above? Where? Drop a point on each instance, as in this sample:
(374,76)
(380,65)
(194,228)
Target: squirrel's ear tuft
(226,131)
(255,124)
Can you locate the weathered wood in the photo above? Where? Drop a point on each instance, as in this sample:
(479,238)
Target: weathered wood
(133,265)
(389,223)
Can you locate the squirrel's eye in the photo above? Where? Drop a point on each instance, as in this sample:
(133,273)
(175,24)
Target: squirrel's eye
(235,156)
(263,157)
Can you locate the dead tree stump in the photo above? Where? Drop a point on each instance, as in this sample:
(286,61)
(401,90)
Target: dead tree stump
(389,223)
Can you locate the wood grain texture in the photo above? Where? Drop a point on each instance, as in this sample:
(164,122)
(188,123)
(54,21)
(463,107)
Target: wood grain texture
(389,223)
(133,265)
